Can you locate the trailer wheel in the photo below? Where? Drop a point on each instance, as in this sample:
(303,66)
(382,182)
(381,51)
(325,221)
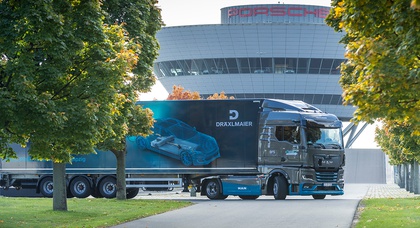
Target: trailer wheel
(80,187)
(132,192)
(46,187)
(213,190)
(107,187)
(249,197)
(280,188)
(318,197)
(186,158)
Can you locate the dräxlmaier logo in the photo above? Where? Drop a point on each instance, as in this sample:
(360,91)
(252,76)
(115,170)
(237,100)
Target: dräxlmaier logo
(234,115)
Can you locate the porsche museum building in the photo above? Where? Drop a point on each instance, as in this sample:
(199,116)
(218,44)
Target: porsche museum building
(278,51)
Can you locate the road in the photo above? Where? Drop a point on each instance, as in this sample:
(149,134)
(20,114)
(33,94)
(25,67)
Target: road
(296,211)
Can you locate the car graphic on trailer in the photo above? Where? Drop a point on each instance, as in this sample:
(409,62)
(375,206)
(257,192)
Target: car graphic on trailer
(178,140)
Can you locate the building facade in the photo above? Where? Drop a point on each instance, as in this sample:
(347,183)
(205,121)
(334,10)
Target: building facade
(276,51)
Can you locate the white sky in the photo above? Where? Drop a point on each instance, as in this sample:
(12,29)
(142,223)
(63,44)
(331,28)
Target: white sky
(194,12)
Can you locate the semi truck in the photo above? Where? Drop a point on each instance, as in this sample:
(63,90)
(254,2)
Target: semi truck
(239,147)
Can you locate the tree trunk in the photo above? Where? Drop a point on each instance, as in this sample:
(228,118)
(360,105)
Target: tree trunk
(121,186)
(416,178)
(59,183)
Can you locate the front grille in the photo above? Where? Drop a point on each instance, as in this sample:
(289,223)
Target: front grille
(326,177)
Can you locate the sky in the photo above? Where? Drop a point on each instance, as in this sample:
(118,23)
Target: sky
(194,12)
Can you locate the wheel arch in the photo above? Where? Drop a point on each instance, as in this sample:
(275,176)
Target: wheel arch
(206,180)
(270,179)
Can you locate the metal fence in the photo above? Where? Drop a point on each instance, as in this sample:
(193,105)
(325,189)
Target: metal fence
(407,176)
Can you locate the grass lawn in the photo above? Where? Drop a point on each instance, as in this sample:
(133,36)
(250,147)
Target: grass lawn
(90,212)
(389,212)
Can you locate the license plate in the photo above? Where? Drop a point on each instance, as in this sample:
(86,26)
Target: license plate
(327,184)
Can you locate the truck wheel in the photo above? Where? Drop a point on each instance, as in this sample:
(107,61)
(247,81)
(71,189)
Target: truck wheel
(46,187)
(80,187)
(213,190)
(280,188)
(132,192)
(249,197)
(318,197)
(107,187)
(186,158)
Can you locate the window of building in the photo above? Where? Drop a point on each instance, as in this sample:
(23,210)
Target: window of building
(248,65)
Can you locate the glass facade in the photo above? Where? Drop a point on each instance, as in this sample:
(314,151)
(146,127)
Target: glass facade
(247,66)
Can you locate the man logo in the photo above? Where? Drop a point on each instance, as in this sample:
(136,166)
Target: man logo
(233,114)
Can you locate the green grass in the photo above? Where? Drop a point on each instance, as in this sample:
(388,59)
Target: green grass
(37,212)
(390,212)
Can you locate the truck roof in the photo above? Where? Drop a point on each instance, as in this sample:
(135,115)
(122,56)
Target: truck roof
(289,105)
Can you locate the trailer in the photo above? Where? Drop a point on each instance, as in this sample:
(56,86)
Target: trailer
(241,147)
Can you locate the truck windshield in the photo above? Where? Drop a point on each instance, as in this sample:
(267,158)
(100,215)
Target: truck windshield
(326,138)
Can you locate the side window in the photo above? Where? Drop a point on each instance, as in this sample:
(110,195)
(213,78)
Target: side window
(288,133)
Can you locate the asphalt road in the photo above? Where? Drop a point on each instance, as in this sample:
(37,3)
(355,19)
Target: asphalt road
(296,211)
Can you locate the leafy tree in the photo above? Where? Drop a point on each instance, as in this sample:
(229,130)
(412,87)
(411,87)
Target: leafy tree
(136,23)
(141,20)
(415,4)
(59,81)
(397,141)
(381,76)
(178,93)
(221,96)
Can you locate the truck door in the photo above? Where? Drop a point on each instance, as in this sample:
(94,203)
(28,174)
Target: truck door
(281,145)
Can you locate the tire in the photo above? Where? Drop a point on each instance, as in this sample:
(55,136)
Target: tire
(107,187)
(80,187)
(132,192)
(249,197)
(46,187)
(186,158)
(213,190)
(280,188)
(318,197)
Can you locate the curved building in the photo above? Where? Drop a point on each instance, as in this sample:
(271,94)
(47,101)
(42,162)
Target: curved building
(258,51)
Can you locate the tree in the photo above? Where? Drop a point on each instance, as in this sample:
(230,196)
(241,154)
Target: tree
(137,23)
(397,141)
(141,20)
(221,96)
(381,76)
(178,93)
(58,81)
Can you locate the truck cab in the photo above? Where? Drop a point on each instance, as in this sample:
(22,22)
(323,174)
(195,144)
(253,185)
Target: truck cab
(303,146)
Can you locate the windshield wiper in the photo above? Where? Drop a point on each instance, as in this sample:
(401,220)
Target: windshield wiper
(335,145)
(317,145)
